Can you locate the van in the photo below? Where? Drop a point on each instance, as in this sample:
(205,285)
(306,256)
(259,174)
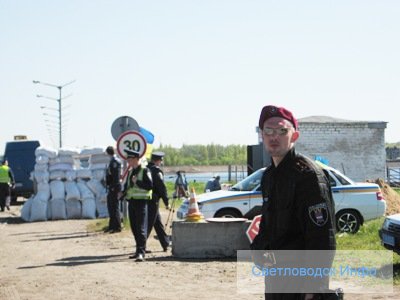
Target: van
(21,158)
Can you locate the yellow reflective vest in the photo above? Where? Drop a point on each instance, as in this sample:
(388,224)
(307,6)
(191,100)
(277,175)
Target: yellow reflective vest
(135,192)
(4,174)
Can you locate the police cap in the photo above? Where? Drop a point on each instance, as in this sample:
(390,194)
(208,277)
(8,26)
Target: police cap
(131,153)
(157,155)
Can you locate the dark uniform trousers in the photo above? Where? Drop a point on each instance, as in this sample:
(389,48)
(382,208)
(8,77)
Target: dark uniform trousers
(154,219)
(4,192)
(137,210)
(113,210)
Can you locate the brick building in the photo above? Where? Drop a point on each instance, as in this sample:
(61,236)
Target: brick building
(356,148)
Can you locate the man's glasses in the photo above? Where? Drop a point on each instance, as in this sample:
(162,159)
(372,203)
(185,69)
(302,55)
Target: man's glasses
(276,131)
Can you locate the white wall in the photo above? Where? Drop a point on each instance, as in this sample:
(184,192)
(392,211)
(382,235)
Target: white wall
(355,148)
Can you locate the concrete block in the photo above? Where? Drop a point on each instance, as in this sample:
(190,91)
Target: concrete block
(208,239)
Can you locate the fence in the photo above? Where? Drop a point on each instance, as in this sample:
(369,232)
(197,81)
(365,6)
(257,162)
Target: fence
(228,173)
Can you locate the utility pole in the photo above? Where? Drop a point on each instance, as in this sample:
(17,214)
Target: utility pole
(59,100)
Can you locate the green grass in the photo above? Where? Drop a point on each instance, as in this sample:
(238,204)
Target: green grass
(367,238)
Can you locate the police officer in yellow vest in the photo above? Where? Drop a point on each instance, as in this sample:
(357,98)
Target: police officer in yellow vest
(138,192)
(6,181)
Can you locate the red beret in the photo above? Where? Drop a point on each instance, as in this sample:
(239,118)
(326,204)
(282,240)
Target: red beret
(270,111)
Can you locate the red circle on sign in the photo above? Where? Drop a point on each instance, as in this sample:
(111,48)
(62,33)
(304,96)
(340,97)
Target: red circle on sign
(136,135)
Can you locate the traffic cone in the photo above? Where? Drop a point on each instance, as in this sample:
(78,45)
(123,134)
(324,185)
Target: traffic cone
(194,214)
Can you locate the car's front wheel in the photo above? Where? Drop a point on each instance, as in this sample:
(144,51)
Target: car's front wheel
(348,221)
(228,213)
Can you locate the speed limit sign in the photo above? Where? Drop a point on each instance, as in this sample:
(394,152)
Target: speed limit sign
(131,140)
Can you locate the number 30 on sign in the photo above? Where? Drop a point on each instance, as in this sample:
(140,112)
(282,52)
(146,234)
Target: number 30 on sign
(131,140)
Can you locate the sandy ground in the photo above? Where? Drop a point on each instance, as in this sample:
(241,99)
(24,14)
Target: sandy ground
(62,260)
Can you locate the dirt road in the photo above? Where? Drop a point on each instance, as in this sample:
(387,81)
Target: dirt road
(62,260)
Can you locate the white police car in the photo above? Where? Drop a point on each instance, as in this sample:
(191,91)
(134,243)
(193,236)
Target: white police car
(354,202)
(390,233)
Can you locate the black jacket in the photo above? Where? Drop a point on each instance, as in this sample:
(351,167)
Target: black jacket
(297,211)
(159,188)
(113,175)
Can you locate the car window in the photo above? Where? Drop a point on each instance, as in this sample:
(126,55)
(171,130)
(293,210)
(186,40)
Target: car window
(249,183)
(332,181)
(341,178)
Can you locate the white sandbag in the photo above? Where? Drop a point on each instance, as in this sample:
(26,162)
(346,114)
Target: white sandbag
(101,205)
(50,153)
(99,174)
(57,189)
(74,209)
(41,176)
(83,174)
(72,191)
(96,187)
(102,166)
(92,151)
(99,159)
(60,166)
(43,191)
(57,175)
(88,208)
(84,190)
(42,159)
(70,175)
(58,209)
(62,159)
(41,167)
(38,210)
(68,152)
(26,210)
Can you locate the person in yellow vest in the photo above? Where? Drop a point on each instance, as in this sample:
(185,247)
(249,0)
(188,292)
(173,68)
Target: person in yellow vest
(6,181)
(138,192)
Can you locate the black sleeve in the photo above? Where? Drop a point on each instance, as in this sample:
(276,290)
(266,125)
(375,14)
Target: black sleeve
(159,186)
(260,241)
(11,174)
(315,212)
(115,170)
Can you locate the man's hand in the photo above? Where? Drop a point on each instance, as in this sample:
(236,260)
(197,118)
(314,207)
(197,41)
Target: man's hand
(262,259)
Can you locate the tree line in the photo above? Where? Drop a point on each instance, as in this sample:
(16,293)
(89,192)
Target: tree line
(204,155)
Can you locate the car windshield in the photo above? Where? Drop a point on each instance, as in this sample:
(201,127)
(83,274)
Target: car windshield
(249,183)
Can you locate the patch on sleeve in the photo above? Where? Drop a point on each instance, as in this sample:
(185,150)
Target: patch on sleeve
(265,199)
(318,214)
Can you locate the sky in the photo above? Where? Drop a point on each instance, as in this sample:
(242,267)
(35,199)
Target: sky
(194,71)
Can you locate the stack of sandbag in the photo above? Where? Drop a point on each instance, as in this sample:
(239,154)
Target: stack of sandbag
(65,189)
(100,192)
(37,206)
(88,200)
(61,167)
(98,163)
(72,199)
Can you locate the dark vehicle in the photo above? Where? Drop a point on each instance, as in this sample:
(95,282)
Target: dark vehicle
(21,159)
